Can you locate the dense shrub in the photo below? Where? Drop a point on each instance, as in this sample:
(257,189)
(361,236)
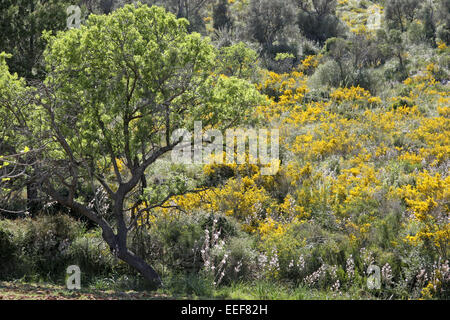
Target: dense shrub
(364,124)
(318,20)
(92,255)
(7,252)
(43,247)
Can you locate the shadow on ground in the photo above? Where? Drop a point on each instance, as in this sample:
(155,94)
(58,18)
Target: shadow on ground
(26,291)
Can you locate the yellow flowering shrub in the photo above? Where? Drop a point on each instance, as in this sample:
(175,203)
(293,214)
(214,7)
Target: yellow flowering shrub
(350,94)
(428,202)
(351,162)
(310,63)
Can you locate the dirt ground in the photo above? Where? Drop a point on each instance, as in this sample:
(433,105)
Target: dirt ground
(30,291)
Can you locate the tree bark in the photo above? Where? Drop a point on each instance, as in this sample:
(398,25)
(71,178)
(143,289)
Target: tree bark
(32,203)
(116,242)
(141,266)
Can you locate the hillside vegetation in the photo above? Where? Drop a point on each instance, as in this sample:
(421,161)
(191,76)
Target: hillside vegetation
(360,93)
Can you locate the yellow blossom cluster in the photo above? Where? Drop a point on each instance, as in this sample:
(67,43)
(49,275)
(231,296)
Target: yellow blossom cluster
(354,94)
(341,156)
(428,201)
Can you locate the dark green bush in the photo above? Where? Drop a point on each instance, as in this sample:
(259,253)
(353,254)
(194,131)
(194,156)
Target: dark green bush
(92,255)
(43,247)
(7,253)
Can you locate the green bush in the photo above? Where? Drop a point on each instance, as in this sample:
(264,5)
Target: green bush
(191,284)
(92,255)
(7,253)
(43,247)
(46,240)
(171,245)
(327,75)
(241,264)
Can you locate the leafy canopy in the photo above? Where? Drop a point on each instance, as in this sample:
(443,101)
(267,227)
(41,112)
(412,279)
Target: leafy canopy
(122,81)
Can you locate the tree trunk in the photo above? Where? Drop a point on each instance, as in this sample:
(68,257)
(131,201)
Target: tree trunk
(120,243)
(117,243)
(120,248)
(141,266)
(32,203)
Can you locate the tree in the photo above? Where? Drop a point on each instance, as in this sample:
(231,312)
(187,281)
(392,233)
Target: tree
(338,49)
(317,19)
(21,26)
(188,9)
(221,15)
(272,25)
(238,60)
(100,6)
(268,19)
(400,12)
(115,91)
(353,56)
(443,29)
(397,47)
(16,159)
(428,16)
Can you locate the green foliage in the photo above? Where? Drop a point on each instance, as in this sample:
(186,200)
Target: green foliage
(268,20)
(318,21)
(350,62)
(327,73)
(242,260)
(237,60)
(91,254)
(7,252)
(33,243)
(118,86)
(221,15)
(43,247)
(192,10)
(21,25)
(399,13)
(48,239)
(121,71)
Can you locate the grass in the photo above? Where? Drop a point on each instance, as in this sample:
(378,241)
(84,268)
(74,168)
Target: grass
(265,290)
(260,290)
(16,290)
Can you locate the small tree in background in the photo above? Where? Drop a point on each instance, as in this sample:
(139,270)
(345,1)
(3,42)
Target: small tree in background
(21,25)
(221,15)
(399,13)
(317,19)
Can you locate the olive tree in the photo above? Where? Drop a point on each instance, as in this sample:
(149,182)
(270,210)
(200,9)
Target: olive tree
(21,25)
(399,13)
(268,20)
(317,19)
(115,91)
